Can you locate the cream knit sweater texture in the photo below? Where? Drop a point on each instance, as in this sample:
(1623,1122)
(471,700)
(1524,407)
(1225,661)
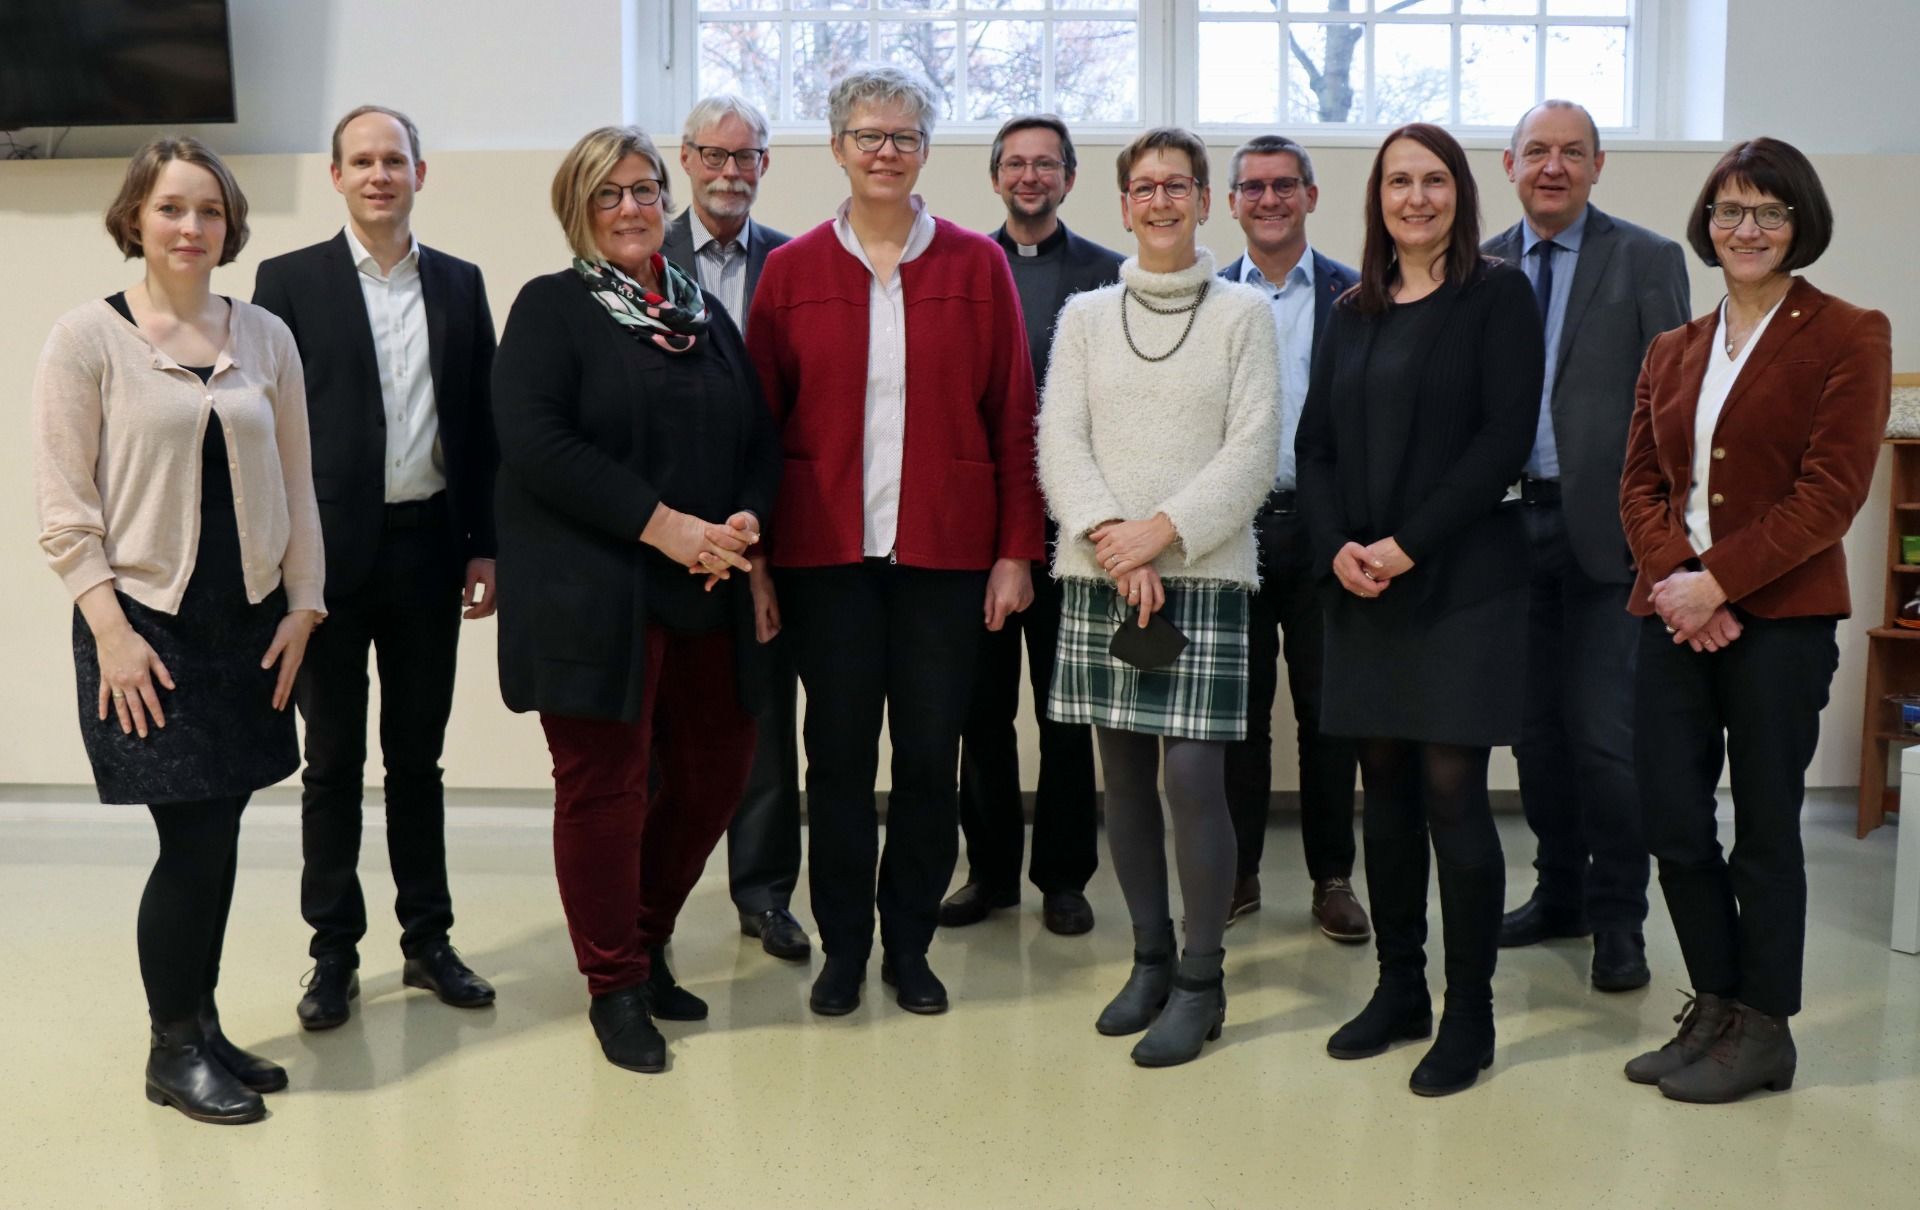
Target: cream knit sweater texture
(1195,436)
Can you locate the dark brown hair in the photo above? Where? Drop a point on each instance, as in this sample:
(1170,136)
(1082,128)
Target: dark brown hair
(1378,264)
(1768,166)
(123,216)
(1035,121)
(361,111)
(1171,138)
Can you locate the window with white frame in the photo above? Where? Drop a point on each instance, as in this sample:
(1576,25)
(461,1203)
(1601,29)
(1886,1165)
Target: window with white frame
(1463,63)
(1359,64)
(989,59)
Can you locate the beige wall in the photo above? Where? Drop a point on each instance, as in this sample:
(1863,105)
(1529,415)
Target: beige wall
(489,206)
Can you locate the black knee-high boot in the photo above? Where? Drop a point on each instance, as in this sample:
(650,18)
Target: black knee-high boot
(1471,901)
(1397,895)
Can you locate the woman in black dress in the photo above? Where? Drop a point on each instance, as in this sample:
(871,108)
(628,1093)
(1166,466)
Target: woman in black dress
(1420,413)
(176,503)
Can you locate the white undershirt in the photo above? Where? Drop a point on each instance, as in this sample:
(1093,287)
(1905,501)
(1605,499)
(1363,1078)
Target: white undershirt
(397,313)
(1722,373)
(884,447)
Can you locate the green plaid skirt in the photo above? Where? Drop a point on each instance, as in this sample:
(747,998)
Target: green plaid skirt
(1201,695)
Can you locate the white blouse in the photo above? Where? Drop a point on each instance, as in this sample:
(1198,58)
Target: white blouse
(1722,372)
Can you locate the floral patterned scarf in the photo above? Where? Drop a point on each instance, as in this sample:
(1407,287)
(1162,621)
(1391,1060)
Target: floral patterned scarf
(674,322)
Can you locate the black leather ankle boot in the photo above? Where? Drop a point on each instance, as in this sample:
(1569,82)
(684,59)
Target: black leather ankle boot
(182,1073)
(1147,984)
(261,1075)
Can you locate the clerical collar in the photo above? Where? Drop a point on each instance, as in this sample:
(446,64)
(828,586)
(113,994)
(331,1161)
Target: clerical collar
(1045,247)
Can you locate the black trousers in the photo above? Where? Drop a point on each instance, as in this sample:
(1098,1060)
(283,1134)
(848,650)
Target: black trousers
(1285,620)
(1066,848)
(763,842)
(408,612)
(874,639)
(1576,742)
(1741,919)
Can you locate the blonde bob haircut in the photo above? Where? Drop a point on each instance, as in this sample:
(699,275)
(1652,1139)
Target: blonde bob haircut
(587,167)
(123,216)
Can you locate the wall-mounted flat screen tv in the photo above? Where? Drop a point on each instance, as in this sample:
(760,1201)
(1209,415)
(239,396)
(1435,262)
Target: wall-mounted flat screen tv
(114,63)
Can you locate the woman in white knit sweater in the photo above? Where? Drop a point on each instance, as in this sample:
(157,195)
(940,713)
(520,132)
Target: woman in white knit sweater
(1158,435)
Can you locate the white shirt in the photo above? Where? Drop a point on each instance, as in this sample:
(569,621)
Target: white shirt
(1292,305)
(722,267)
(1722,373)
(884,447)
(397,313)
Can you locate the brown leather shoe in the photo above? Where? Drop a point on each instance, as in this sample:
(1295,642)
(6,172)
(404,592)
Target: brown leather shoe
(1246,898)
(1338,912)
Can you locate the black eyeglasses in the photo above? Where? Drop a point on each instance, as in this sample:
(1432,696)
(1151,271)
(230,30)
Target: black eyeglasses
(906,142)
(1178,188)
(645,193)
(1283,188)
(746,159)
(1768,216)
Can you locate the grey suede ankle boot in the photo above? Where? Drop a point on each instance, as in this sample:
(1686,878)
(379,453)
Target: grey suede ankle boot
(1195,1011)
(1754,1051)
(1702,1020)
(1147,984)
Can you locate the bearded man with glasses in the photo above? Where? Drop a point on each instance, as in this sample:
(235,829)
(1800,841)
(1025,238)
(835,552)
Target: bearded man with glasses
(1032,168)
(1271,193)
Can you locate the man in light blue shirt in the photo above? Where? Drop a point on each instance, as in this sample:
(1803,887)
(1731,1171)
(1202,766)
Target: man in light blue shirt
(1271,192)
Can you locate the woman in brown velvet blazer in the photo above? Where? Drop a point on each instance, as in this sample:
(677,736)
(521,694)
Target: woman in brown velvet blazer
(1751,449)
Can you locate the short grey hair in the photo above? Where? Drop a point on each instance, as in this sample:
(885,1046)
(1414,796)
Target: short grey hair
(709,110)
(1270,144)
(881,84)
(1593,127)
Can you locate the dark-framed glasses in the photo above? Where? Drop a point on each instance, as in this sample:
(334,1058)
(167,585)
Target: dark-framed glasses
(1283,188)
(1178,188)
(1013,170)
(746,159)
(645,193)
(906,142)
(1768,216)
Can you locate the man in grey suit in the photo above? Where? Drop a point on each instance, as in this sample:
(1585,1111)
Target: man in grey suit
(724,152)
(1605,288)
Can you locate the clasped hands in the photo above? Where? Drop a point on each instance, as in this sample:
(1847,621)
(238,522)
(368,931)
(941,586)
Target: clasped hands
(1366,571)
(1694,607)
(704,548)
(1126,550)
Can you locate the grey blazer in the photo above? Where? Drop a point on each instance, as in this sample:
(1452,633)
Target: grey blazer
(1629,285)
(761,239)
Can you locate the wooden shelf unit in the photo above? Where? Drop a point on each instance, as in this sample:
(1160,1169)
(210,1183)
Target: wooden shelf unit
(1893,651)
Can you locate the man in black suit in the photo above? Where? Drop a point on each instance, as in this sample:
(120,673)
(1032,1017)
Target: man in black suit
(1605,289)
(397,343)
(1032,169)
(1271,192)
(724,152)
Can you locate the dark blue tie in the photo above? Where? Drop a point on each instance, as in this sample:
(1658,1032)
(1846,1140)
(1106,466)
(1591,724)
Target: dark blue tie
(1543,282)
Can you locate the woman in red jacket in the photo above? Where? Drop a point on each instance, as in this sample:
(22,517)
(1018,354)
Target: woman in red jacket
(1751,448)
(894,356)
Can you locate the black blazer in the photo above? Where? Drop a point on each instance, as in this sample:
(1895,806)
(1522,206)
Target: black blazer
(1430,464)
(569,389)
(1629,285)
(316,290)
(677,247)
(1331,279)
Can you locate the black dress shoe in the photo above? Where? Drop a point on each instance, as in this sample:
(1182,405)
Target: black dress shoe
(261,1075)
(1619,960)
(836,992)
(181,1072)
(1067,913)
(331,985)
(625,1029)
(917,988)
(973,903)
(441,972)
(1534,921)
(670,1001)
(780,934)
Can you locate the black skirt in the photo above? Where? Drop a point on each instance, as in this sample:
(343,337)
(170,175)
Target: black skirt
(223,737)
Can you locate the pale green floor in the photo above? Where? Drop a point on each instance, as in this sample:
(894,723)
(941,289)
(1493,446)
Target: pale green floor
(1010,1100)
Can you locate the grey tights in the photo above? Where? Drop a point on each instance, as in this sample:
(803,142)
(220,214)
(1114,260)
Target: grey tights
(1202,830)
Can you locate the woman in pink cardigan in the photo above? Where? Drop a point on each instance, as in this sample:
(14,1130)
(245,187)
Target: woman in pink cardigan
(176,504)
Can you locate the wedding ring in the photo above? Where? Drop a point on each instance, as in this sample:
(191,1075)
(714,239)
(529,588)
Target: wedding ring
(118,695)
(1669,630)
